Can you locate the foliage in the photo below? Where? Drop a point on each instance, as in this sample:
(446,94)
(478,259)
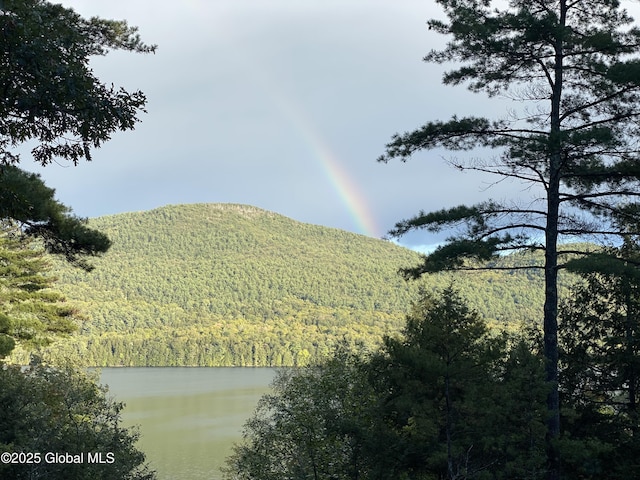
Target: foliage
(221,285)
(52,100)
(315,424)
(576,147)
(601,365)
(574,65)
(27,201)
(428,377)
(445,400)
(457,401)
(64,411)
(31,313)
(50,94)
(450,400)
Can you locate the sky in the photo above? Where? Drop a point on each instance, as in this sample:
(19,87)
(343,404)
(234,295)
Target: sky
(280,104)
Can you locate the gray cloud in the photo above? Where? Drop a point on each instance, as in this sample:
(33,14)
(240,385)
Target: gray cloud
(228,87)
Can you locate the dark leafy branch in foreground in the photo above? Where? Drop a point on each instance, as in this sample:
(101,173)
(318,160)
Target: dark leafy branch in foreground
(49,92)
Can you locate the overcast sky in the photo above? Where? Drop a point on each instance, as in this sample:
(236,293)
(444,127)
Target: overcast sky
(284,105)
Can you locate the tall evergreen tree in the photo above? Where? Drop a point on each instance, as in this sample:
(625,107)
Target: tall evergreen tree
(457,404)
(51,99)
(576,66)
(432,374)
(31,313)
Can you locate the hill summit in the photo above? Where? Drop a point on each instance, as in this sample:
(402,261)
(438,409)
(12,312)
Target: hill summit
(228,284)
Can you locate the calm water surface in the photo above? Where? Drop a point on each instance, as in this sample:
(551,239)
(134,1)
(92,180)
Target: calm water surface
(188,417)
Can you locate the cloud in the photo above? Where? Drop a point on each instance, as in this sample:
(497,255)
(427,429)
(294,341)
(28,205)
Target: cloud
(218,130)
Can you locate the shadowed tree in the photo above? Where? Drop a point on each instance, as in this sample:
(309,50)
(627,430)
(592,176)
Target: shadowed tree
(50,95)
(50,99)
(46,410)
(600,363)
(316,425)
(575,67)
(456,403)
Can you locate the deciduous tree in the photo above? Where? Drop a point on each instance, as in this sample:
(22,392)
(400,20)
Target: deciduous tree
(314,425)
(47,411)
(50,95)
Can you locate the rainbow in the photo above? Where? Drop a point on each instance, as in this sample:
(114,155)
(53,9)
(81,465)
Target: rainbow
(348,191)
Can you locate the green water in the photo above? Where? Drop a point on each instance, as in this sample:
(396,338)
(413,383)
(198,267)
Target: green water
(188,417)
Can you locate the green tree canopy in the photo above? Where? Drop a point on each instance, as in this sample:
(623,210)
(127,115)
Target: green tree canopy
(52,100)
(445,400)
(315,424)
(600,364)
(28,202)
(456,401)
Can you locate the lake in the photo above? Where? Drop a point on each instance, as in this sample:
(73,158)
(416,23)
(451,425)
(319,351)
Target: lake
(188,417)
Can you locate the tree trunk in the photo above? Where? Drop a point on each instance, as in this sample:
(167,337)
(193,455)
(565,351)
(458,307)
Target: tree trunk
(448,426)
(551,259)
(551,340)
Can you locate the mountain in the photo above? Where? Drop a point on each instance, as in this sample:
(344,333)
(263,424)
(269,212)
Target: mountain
(226,284)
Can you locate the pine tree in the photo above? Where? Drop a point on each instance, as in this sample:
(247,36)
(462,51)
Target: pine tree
(52,99)
(27,202)
(575,66)
(31,313)
(457,404)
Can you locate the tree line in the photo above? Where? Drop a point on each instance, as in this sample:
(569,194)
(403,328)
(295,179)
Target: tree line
(570,138)
(446,399)
(237,285)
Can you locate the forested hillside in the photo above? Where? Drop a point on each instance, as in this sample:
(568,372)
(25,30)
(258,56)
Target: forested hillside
(223,284)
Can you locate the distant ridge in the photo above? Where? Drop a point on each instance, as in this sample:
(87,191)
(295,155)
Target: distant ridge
(230,284)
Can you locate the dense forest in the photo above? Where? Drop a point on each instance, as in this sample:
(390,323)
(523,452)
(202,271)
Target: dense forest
(225,284)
